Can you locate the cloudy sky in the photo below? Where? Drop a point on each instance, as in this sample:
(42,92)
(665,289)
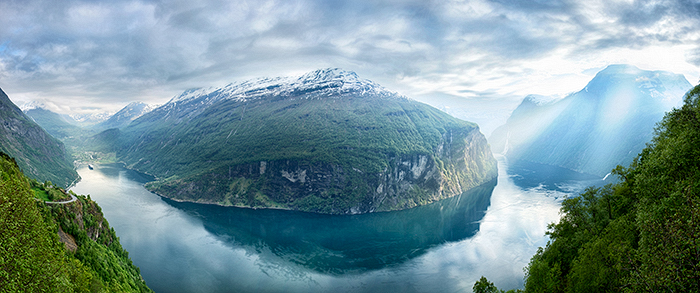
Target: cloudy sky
(481,56)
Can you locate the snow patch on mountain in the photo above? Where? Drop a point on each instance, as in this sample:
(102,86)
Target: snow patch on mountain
(31,106)
(316,84)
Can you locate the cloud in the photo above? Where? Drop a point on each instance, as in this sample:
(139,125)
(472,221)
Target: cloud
(102,52)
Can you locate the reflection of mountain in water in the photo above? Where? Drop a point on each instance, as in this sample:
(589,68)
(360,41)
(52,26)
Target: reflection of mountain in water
(335,244)
(526,174)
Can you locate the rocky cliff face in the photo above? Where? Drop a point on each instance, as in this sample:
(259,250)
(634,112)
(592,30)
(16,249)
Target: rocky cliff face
(325,142)
(408,181)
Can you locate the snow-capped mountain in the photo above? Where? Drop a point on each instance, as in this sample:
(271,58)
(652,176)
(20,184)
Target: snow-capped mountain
(127,114)
(32,105)
(605,124)
(330,83)
(90,118)
(80,119)
(327,141)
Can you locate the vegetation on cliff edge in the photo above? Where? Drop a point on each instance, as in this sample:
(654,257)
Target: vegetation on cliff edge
(639,235)
(86,257)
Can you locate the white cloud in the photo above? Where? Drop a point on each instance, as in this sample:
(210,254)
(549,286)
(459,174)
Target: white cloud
(113,52)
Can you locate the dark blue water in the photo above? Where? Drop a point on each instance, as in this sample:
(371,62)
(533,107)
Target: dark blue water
(492,230)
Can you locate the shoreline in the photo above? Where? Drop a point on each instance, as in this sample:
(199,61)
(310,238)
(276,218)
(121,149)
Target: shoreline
(494,180)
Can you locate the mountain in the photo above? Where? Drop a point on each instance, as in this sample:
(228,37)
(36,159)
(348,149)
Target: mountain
(38,154)
(77,119)
(325,142)
(605,124)
(59,126)
(124,116)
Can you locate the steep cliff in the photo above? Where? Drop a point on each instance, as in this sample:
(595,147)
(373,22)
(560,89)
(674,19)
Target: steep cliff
(326,142)
(38,154)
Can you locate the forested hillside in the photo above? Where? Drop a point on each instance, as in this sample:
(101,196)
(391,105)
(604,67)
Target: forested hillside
(86,257)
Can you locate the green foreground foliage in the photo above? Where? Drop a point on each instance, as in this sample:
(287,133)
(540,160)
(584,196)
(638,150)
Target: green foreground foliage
(639,235)
(32,256)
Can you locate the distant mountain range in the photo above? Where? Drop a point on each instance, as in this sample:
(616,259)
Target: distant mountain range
(605,124)
(326,142)
(83,120)
(38,154)
(63,125)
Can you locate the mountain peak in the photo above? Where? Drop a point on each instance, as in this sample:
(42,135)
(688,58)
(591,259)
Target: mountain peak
(665,87)
(127,114)
(620,69)
(32,105)
(330,74)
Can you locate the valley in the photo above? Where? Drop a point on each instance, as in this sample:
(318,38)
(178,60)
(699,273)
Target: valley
(326,181)
(349,146)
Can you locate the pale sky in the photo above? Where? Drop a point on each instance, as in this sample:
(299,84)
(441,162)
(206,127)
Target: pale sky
(483,56)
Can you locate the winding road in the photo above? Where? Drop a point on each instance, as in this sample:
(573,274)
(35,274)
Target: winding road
(72,199)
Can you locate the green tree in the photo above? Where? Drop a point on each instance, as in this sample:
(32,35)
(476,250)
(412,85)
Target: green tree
(484,286)
(31,257)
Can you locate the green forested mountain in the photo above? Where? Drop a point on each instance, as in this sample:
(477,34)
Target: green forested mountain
(38,154)
(640,235)
(325,142)
(57,248)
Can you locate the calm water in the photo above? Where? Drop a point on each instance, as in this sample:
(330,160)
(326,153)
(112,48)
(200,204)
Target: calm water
(492,231)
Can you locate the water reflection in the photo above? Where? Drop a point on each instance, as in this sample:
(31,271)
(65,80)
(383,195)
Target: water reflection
(337,245)
(443,247)
(528,175)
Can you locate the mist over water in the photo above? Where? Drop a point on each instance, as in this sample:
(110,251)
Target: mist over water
(492,231)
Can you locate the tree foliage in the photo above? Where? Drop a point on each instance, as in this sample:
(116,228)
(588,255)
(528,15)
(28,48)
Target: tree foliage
(639,235)
(33,259)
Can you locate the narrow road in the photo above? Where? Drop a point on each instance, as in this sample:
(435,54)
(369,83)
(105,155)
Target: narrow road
(72,199)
